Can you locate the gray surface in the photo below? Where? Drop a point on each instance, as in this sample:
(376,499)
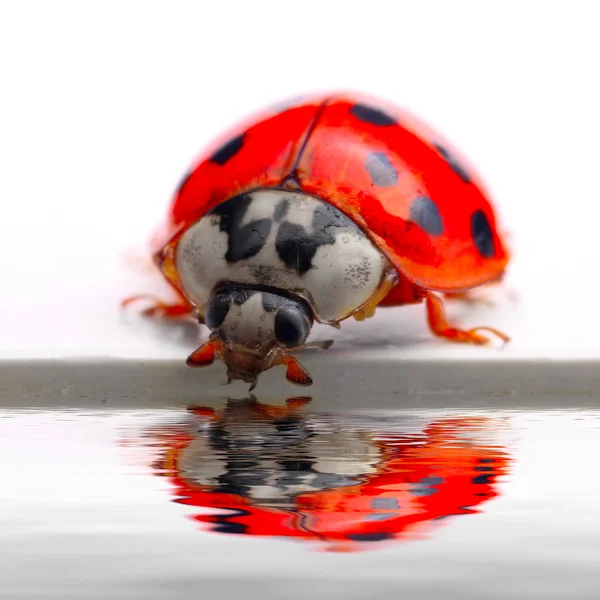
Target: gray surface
(341,382)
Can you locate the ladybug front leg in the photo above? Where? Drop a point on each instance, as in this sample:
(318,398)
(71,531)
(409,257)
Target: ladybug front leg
(158,308)
(440,326)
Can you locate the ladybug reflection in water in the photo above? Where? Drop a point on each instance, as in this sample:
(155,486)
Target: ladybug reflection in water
(279,471)
(320,212)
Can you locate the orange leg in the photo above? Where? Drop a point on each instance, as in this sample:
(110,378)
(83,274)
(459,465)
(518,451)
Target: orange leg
(440,326)
(176,310)
(295,372)
(467,298)
(260,410)
(292,405)
(205,355)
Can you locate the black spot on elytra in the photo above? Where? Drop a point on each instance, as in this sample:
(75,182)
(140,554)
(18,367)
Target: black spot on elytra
(425,213)
(281,209)
(374,116)
(370,537)
(297,247)
(453,163)
(427,486)
(385,504)
(381,170)
(224,526)
(243,241)
(227,150)
(217,310)
(482,234)
(482,480)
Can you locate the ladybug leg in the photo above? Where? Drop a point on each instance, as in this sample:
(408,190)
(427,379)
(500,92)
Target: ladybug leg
(205,355)
(440,326)
(324,345)
(467,297)
(203,411)
(292,405)
(295,372)
(158,308)
(297,402)
(478,295)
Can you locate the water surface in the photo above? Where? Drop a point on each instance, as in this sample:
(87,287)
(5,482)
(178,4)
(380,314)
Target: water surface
(297,496)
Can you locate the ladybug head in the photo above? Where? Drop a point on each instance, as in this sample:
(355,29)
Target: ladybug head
(254,330)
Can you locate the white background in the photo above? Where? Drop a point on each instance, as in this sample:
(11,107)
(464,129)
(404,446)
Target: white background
(103,105)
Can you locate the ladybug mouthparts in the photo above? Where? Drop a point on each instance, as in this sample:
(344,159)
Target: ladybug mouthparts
(254,330)
(244,365)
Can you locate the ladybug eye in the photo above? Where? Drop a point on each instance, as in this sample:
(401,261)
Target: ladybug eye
(217,310)
(291,327)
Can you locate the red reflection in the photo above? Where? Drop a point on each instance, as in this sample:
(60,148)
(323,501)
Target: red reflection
(282,471)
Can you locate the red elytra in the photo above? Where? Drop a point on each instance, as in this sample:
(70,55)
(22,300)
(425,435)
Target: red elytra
(321,147)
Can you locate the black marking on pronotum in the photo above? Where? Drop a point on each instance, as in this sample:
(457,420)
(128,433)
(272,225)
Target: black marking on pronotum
(482,234)
(453,163)
(381,170)
(425,213)
(281,209)
(227,150)
(243,241)
(374,116)
(297,247)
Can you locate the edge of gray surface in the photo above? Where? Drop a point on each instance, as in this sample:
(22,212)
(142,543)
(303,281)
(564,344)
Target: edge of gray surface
(340,384)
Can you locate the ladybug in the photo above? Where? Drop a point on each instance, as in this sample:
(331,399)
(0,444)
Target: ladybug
(321,211)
